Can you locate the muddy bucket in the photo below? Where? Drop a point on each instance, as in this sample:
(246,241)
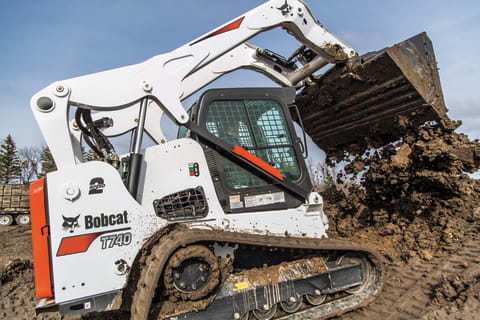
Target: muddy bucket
(363,100)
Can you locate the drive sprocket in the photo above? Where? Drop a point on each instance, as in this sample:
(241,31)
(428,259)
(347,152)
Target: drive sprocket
(192,273)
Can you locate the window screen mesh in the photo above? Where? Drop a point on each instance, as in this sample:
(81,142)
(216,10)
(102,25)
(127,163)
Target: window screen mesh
(228,121)
(258,126)
(268,122)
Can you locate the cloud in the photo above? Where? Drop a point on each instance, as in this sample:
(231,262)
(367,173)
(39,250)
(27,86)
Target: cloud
(468,112)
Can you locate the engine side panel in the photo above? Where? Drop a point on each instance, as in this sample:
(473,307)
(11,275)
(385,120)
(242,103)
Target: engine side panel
(96,229)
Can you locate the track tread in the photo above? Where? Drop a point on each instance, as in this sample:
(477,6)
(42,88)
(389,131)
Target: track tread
(182,236)
(407,292)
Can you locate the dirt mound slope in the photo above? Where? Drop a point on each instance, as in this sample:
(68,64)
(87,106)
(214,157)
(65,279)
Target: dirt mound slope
(418,206)
(417,188)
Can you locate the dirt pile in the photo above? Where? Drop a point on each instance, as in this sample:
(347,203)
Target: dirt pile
(418,206)
(416,189)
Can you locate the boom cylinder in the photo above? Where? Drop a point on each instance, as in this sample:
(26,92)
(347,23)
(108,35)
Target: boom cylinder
(136,157)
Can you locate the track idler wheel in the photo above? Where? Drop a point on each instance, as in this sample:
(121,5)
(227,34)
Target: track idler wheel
(355,258)
(192,273)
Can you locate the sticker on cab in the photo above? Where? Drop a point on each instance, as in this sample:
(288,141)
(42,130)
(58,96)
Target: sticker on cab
(264,199)
(235,202)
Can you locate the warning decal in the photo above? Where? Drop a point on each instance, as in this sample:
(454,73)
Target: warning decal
(264,199)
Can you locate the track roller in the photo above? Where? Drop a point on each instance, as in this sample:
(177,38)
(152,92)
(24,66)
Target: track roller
(291,306)
(316,299)
(266,313)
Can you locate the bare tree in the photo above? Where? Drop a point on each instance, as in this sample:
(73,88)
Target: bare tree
(9,161)
(30,164)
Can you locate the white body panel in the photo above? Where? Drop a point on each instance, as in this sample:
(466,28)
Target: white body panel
(95,267)
(166,172)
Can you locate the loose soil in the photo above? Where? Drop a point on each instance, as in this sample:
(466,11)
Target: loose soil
(419,208)
(17,291)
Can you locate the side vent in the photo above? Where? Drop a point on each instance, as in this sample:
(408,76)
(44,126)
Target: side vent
(183,205)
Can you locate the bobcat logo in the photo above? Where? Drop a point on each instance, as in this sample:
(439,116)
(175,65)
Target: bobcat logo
(69,224)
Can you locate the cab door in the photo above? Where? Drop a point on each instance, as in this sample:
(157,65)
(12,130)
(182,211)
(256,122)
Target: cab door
(257,120)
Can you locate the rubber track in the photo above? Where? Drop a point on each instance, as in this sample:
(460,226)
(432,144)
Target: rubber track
(182,236)
(408,289)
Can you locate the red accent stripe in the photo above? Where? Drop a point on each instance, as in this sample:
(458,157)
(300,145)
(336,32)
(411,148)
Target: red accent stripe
(257,161)
(41,260)
(232,26)
(76,244)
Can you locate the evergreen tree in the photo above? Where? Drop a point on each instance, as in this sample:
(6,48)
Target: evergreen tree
(47,162)
(10,166)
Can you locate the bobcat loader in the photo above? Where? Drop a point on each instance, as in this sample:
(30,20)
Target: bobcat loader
(221,223)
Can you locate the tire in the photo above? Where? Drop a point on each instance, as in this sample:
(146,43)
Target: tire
(6,220)
(23,219)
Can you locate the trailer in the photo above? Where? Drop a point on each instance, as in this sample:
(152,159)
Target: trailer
(14,204)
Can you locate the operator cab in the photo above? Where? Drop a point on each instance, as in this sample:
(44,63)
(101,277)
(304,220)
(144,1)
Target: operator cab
(258,121)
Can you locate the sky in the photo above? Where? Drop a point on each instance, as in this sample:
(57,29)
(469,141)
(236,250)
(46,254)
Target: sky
(45,41)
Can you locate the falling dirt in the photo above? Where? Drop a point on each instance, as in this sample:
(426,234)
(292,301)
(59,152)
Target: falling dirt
(354,105)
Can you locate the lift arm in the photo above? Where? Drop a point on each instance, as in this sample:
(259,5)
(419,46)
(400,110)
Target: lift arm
(245,56)
(169,78)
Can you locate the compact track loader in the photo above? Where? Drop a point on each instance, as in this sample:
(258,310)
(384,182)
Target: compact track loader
(221,223)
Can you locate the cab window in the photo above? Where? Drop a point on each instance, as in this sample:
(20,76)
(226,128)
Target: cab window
(258,126)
